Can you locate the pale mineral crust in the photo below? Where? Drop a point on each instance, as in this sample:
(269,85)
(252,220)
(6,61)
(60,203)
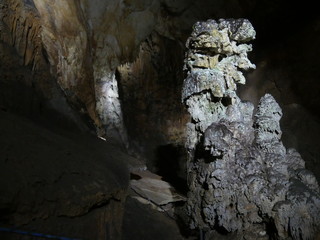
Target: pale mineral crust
(241,177)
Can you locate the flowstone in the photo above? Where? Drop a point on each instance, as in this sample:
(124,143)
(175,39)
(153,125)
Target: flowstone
(241,178)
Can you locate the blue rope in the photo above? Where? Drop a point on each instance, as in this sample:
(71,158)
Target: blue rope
(12,230)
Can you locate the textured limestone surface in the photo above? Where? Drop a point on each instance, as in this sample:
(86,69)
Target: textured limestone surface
(153,112)
(241,177)
(28,82)
(78,50)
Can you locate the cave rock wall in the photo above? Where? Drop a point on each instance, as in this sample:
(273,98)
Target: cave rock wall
(86,57)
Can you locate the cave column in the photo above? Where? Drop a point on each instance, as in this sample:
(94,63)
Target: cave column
(109,108)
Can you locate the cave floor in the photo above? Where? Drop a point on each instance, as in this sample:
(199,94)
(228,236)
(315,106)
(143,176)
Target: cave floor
(152,209)
(142,221)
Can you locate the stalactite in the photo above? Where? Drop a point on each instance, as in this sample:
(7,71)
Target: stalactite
(24,28)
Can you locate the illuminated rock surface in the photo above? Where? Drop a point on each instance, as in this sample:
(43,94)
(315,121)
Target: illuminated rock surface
(241,177)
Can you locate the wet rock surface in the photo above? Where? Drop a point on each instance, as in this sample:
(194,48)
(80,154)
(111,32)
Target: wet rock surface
(241,177)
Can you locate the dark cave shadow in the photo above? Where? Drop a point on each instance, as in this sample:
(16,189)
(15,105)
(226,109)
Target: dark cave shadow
(170,162)
(182,219)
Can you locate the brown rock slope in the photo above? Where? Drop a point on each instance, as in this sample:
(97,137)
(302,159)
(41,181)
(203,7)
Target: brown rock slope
(59,183)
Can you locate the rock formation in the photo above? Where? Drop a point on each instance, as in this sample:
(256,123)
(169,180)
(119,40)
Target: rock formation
(241,177)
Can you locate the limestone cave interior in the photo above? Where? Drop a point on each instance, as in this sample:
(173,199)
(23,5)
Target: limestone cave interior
(92,125)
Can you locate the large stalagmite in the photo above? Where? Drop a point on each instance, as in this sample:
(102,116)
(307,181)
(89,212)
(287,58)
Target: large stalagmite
(241,177)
